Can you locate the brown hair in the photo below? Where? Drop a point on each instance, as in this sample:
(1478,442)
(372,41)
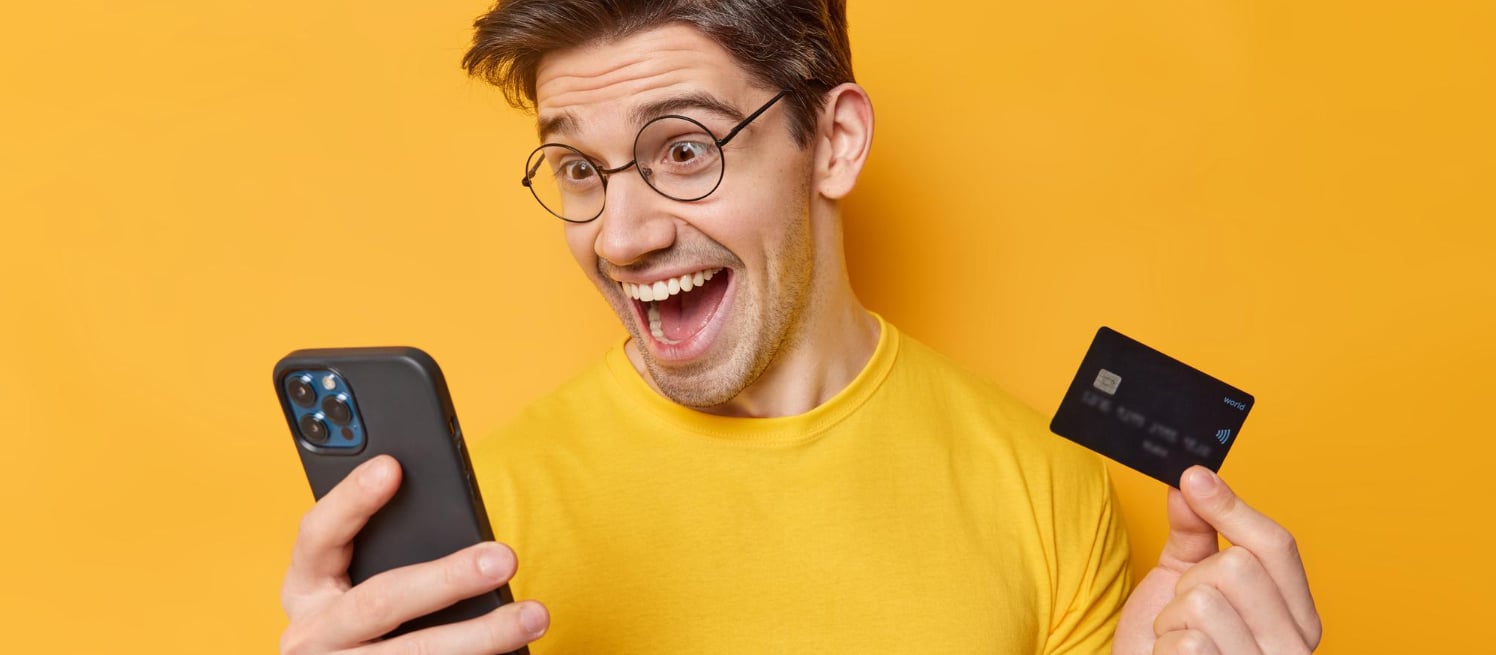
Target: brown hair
(800,45)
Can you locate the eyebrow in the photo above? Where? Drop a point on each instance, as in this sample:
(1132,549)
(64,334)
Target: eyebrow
(562,123)
(676,104)
(565,123)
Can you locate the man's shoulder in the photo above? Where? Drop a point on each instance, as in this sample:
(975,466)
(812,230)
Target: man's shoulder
(930,367)
(985,414)
(924,375)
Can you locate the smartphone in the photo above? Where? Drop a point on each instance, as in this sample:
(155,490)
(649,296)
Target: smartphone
(347,405)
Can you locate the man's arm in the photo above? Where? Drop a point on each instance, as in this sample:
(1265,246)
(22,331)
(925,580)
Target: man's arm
(1094,589)
(330,615)
(1252,598)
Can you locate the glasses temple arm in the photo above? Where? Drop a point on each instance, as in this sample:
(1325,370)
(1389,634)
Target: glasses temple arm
(739,127)
(531,172)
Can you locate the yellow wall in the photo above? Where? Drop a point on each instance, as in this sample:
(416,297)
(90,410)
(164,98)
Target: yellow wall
(1296,197)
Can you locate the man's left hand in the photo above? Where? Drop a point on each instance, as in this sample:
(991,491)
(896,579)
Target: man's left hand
(1252,598)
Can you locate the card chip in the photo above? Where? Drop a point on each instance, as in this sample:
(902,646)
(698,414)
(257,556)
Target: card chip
(1107,382)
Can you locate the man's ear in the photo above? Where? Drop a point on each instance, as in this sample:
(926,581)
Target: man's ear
(843,139)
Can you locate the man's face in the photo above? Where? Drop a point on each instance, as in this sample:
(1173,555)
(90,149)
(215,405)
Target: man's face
(702,340)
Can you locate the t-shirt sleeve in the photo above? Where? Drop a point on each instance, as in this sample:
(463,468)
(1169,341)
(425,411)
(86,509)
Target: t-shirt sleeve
(1091,605)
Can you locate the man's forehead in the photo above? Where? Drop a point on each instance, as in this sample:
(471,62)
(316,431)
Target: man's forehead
(565,123)
(634,79)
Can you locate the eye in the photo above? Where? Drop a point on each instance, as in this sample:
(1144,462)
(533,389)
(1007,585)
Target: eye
(576,170)
(683,152)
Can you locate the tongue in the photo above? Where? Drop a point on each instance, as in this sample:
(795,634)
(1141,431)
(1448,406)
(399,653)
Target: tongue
(685,314)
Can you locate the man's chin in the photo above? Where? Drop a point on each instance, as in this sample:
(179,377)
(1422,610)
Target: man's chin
(695,396)
(704,383)
(698,383)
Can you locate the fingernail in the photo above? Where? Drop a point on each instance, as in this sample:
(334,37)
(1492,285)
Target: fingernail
(1201,481)
(533,617)
(491,562)
(376,475)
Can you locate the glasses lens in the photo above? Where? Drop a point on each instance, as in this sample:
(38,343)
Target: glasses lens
(679,158)
(565,182)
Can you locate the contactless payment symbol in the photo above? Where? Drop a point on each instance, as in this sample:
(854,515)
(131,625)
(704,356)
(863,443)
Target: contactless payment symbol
(1107,382)
(1223,435)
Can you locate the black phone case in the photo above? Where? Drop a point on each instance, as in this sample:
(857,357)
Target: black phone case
(407,413)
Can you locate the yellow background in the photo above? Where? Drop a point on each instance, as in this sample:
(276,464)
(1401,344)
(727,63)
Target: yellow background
(1295,197)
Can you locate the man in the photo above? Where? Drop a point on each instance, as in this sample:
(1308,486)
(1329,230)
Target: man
(763,465)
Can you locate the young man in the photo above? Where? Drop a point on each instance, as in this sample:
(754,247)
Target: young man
(763,465)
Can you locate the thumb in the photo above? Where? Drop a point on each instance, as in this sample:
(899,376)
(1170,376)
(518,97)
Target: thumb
(1191,538)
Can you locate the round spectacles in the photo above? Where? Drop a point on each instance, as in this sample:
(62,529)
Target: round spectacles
(677,156)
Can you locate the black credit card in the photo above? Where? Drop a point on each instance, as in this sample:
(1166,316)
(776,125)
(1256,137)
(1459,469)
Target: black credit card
(1148,410)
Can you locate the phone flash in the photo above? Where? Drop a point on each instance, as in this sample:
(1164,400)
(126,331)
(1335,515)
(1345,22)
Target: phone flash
(329,382)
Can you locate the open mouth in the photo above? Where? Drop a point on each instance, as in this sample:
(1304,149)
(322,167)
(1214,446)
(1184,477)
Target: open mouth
(678,310)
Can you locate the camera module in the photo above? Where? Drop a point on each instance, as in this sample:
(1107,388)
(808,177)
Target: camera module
(314,429)
(337,410)
(301,391)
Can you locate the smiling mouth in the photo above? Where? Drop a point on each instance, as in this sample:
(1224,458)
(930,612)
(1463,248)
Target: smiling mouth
(677,309)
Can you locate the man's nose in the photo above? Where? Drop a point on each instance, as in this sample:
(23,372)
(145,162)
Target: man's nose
(635,220)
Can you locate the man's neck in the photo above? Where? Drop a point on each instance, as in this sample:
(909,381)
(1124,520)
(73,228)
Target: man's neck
(812,370)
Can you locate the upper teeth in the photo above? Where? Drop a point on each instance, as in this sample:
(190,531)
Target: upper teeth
(662,289)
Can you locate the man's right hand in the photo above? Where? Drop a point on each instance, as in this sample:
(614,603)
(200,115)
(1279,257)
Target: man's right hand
(329,615)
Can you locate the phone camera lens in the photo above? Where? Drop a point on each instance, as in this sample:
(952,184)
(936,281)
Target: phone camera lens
(300,388)
(314,429)
(337,410)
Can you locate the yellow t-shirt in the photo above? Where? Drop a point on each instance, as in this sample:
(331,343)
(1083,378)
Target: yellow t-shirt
(921,509)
